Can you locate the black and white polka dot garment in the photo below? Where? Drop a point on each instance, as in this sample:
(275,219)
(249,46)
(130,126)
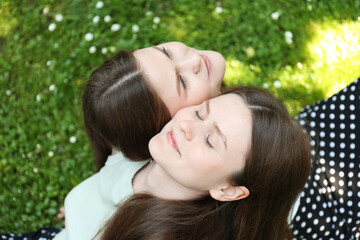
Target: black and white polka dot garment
(41,234)
(330,202)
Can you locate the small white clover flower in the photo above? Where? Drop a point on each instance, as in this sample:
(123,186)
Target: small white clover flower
(218,10)
(112,49)
(45,10)
(38,146)
(38,97)
(250,52)
(89,37)
(52,27)
(265,85)
(92,49)
(8,92)
(96,19)
(289,41)
(288,37)
(58,17)
(35,170)
(107,18)
(156,20)
(277,84)
(275,16)
(149,13)
(309,7)
(51,154)
(99,4)
(104,50)
(72,139)
(299,65)
(48,63)
(115,27)
(288,34)
(135,28)
(52,87)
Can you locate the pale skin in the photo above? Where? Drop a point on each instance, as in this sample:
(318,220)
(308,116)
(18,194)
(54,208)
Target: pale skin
(181,75)
(198,150)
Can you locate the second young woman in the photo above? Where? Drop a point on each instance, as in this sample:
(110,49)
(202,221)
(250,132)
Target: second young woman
(134,94)
(229,168)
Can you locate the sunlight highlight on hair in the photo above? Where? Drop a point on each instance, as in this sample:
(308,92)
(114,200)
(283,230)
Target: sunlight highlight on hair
(120,82)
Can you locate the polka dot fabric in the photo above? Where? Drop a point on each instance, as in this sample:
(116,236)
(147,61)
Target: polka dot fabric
(330,202)
(42,234)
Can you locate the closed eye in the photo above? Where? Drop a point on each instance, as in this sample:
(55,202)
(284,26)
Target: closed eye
(166,52)
(183,82)
(208,142)
(198,115)
(181,79)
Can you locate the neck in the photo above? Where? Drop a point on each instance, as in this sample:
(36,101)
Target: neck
(154,180)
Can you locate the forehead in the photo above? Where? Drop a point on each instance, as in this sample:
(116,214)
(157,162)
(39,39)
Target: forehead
(235,120)
(154,64)
(160,73)
(230,104)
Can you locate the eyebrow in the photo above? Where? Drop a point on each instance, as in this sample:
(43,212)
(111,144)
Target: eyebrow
(216,126)
(177,83)
(221,135)
(207,103)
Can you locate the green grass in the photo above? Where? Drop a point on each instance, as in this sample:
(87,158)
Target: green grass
(42,73)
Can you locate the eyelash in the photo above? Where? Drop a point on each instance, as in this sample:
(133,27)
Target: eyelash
(207,137)
(166,52)
(208,142)
(182,81)
(198,115)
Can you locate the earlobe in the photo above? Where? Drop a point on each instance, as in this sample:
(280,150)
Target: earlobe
(230,193)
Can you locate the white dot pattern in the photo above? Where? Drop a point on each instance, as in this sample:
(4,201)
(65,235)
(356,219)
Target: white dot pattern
(41,234)
(330,202)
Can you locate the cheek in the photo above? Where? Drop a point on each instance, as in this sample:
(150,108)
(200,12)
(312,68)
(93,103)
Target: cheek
(173,109)
(199,95)
(201,161)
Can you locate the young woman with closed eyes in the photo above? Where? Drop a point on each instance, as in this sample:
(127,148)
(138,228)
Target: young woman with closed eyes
(229,168)
(146,88)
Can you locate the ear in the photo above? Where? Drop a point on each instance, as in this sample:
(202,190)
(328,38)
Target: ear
(229,193)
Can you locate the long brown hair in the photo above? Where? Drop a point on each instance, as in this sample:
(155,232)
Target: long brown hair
(275,171)
(121,110)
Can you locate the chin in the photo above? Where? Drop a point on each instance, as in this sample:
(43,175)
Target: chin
(154,146)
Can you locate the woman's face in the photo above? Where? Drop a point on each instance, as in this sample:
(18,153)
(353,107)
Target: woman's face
(181,75)
(203,145)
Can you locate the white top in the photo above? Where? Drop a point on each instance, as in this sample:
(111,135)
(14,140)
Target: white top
(294,209)
(91,203)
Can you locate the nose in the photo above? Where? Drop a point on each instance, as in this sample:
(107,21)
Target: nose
(191,61)
(187,128)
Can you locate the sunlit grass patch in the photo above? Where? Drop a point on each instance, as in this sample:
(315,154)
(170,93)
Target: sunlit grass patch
(334,54)
(7,19)
(239,72)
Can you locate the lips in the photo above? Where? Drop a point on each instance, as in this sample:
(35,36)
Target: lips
(172,141)
(207,63)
